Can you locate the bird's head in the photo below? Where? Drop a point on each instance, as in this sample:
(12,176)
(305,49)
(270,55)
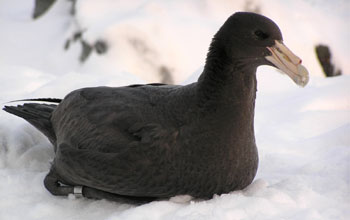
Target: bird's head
(253,39)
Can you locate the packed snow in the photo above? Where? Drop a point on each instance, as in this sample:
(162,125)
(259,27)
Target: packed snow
(303,135)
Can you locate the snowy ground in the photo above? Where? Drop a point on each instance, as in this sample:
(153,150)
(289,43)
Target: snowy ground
(303,135)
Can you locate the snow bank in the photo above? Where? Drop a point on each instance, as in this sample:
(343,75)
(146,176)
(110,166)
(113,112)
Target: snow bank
(147,37)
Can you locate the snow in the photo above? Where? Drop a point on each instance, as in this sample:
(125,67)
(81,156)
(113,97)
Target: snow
(302,134)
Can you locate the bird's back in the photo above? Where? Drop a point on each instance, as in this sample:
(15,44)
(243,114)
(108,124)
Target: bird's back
(108,119)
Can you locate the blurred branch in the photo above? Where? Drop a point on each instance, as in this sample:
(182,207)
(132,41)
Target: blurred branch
(73,9)
(324,57)
(42,6)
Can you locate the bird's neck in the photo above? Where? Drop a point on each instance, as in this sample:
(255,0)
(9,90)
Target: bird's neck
(226,93)
(225,81)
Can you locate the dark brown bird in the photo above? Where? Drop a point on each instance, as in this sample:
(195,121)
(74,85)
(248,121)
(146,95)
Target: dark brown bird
(143,142)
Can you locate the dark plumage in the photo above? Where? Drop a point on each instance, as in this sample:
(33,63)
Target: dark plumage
(145,142)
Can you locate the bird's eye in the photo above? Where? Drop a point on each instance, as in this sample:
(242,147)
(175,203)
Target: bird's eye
(261,35)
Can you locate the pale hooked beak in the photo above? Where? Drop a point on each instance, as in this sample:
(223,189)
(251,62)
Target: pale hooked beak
(289,63)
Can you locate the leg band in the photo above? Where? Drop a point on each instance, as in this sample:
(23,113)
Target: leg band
(78,191)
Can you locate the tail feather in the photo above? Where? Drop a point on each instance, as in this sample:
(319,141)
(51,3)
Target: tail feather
(54,100)
(38,115)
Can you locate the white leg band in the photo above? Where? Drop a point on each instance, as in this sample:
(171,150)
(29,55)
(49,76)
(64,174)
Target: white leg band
(78,191)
